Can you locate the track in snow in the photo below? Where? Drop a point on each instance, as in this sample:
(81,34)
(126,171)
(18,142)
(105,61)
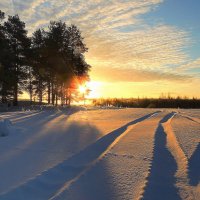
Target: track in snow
(173,174)
(188,173)
(161,182)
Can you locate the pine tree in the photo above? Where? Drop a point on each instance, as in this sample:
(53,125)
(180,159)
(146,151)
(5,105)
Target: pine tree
(19,44)
(38,63)
(66,60)
(6,56)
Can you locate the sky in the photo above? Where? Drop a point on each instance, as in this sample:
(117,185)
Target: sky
(137,48)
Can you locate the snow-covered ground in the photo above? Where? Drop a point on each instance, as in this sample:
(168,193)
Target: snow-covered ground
(103,154)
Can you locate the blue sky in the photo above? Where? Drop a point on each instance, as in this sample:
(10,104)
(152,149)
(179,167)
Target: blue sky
(184,14)
(136,47)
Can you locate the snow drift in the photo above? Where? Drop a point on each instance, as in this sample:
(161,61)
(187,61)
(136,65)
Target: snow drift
(5,127)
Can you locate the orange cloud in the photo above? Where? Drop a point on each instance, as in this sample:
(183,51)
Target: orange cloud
(136,75)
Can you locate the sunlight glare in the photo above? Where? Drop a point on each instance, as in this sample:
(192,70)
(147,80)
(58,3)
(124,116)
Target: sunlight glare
(82,89)
(95,89)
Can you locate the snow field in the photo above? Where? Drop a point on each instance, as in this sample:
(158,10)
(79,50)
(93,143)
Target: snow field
(101,154)
(49,138)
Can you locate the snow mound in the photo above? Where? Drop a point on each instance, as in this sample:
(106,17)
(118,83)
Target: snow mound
(5,127)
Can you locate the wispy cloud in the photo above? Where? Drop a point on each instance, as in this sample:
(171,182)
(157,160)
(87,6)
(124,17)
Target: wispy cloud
(137,75)
(194,64)
(151,48)
(115,33)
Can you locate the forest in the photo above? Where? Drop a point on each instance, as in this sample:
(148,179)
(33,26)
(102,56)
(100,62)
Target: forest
(49,65)
(162,102)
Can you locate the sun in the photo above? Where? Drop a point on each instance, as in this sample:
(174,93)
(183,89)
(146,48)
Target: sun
(95,89)
(90,89)
(82,89)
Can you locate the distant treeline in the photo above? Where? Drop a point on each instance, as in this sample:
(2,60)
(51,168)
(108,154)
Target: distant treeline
(49,64)
(149,102)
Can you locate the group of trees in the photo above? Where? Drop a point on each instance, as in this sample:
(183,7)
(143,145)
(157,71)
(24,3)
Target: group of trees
(49,65)
(166,102)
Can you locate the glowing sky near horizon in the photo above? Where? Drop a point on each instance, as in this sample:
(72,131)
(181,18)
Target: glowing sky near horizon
(136,47)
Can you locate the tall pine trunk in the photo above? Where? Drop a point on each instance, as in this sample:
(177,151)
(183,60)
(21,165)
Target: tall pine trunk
(30,92)
(31,96)
(49,92)
(15,99)
(15,96)
(52,93)
(56,99)
(3,93)
(40,91)
(30,87)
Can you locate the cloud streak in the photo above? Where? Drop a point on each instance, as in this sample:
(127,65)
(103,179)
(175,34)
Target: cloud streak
(195,64)
(136,75)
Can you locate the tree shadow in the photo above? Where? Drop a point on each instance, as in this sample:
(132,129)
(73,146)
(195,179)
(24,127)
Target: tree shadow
(42,116)
(11,114)
(194,167)
(161,182)
(96,149)
(25,164)
(39,118)
(18,115)
(35,127)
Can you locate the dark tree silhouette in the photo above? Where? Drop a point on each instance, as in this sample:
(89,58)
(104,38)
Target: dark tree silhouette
(6,70)
(49,65)
(38,64)
(19,43)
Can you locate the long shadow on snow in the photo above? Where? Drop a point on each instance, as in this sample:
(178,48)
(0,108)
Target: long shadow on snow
(54,178)
(44,118)
(73,138)
(26,117)
(16,116)
(96,149)
(40,118)
(191,119)
(194,167)
(47,115)
(37,122)
(161,180)
(11,115)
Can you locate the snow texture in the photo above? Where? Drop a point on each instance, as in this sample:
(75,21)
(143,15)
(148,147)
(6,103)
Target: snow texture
(95,154)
